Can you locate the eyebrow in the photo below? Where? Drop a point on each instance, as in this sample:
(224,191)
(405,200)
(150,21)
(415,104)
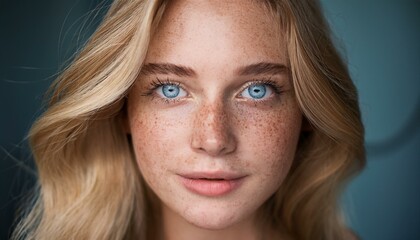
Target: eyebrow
(263,68)
(183,71)
(167,68)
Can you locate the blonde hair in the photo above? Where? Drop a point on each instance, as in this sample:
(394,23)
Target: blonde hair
(89,183)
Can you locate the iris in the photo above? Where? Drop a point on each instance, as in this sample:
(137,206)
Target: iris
(170,90)
(257,91)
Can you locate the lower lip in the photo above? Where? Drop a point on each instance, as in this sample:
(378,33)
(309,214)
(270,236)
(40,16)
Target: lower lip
(211,188)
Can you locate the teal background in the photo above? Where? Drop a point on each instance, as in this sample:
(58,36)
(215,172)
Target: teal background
(380,40)
(382,47)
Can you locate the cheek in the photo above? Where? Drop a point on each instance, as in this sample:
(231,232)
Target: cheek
(143,140)
(270,139)
(146,136)
(153,134)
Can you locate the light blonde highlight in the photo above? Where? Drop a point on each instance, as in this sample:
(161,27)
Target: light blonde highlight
(79,145)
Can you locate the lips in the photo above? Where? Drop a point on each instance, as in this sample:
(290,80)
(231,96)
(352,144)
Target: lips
(211,184)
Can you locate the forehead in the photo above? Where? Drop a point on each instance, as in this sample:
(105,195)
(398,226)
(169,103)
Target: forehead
(237,28)
(248,13)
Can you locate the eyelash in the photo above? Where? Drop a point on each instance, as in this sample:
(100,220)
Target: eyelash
(155,84)
(159,83)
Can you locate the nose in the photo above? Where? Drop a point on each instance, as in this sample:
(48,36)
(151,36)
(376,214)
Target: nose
(212,133)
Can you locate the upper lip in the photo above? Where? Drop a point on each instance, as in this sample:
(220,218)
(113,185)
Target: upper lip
(222,175)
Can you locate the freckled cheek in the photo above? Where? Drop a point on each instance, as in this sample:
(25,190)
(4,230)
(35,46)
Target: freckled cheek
(271,139)
(142,145)
(154,138)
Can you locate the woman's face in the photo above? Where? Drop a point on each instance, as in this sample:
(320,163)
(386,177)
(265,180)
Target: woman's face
(213,118)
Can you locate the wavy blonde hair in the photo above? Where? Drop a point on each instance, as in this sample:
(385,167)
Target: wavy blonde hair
(89,183)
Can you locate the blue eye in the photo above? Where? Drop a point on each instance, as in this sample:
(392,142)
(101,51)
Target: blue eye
(257,91)
(171,91)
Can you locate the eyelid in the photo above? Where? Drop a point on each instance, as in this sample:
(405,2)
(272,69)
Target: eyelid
(158,82)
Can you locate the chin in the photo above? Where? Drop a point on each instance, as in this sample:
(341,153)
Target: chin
(212,219)
(212,224)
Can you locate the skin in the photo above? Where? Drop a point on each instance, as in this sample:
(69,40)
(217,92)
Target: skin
(214,125)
